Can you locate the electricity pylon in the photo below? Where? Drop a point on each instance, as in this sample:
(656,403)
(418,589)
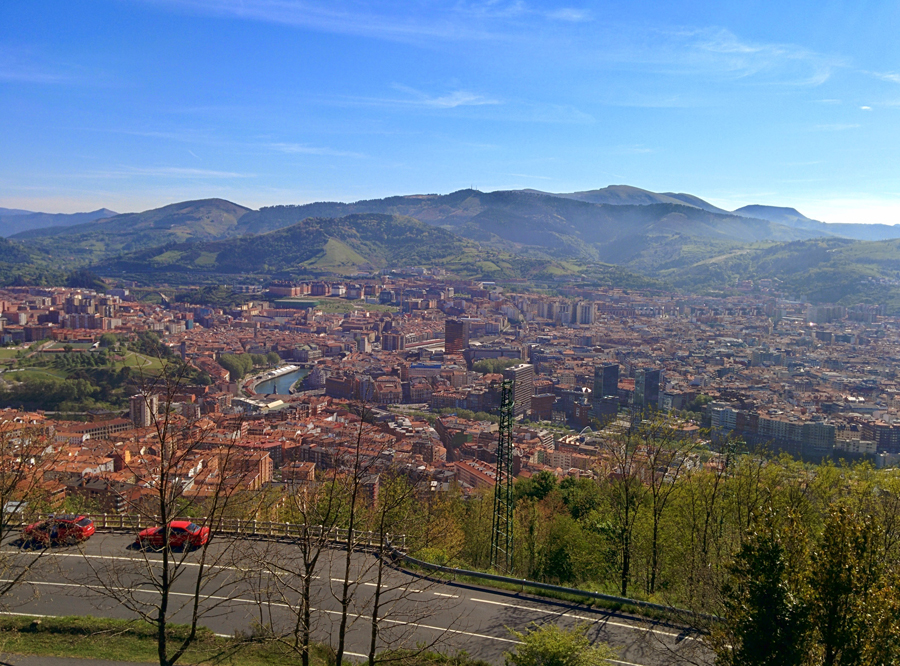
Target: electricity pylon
(504,504)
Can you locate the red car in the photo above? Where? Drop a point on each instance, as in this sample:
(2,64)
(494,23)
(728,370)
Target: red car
(182,533)
(66,528)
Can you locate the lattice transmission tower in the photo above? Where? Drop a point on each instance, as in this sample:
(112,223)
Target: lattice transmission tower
(504,504)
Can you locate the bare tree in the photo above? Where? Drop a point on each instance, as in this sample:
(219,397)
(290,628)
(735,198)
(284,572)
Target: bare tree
(394,513)
(626,473)
(187,472)
(26,451)
(314,511)
(345,521)
(667,457)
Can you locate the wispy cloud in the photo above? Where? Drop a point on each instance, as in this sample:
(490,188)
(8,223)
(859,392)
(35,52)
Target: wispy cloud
(893,77)
(304,149)
(834,127)
(187,172)
(684,50)
(865,108)
(358,18)
(21,66)
(721,50)
(447,101)
(569,14)
(637,149)
(525,175)
(162,172)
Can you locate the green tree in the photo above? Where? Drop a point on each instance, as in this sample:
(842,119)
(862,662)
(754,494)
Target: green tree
(766,622)
(551,645)
(272,358)
(85,279)
(537,487)
(108,340)
(148,342)
(488,366)
(237,365)
(845,571)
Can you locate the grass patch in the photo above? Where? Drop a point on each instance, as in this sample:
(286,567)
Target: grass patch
(336,256)
(169,257)
(38,373)
(123,640)
(145,364)
(134,641)
(206,259)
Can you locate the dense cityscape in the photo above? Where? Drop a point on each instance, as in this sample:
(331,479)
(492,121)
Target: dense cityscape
(815,381)
(449,333)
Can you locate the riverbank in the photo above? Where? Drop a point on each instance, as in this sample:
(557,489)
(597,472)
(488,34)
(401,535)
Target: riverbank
(279,382)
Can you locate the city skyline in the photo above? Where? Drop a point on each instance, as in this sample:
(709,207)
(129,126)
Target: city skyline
(135,105)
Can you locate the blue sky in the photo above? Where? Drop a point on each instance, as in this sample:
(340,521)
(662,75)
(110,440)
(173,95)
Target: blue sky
(132,105)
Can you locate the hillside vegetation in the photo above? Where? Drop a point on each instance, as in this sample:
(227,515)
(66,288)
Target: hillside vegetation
(207,219)
(617,235)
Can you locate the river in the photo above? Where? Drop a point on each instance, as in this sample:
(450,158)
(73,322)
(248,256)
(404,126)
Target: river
(281,385)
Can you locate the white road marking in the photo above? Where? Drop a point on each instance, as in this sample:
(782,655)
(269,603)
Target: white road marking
(441,594)
(211,597)
(596,620)
(352,654)
(119,558)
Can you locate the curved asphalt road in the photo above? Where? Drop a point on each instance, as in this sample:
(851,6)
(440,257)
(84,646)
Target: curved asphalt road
(105,577)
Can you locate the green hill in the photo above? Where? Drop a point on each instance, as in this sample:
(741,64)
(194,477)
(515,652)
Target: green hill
(338,245)
(206,219)
(17,221)
(554,225)
(827,270)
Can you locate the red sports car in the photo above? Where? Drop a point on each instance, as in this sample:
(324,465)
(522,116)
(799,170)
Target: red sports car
(66,528)
(182,533)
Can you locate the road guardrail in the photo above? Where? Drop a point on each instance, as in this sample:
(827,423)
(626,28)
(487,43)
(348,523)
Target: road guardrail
(398,554)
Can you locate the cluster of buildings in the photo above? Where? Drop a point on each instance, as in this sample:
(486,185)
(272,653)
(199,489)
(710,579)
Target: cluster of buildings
(421,349)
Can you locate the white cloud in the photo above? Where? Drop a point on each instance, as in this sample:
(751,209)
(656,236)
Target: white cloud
(525,175)
(569,14)
(360,18)
(704,51)
(303,149)
(21,66)
(865,108)
(157,172)
(458,98)
(722,50)
(835,127)
(893,77)
(447,101)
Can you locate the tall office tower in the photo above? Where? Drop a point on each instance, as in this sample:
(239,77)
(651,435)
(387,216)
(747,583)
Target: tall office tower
(605,397)
(143,408)
(606,381)
(646,389)
(522,376)
(456,336)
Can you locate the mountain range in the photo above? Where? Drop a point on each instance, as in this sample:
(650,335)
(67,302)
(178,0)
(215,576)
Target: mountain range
(675,237)
(14,221)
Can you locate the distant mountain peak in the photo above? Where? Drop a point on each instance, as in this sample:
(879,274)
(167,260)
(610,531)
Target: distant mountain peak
(771,212)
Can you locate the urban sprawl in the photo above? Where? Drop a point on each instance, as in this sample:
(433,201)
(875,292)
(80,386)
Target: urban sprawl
(815,382)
